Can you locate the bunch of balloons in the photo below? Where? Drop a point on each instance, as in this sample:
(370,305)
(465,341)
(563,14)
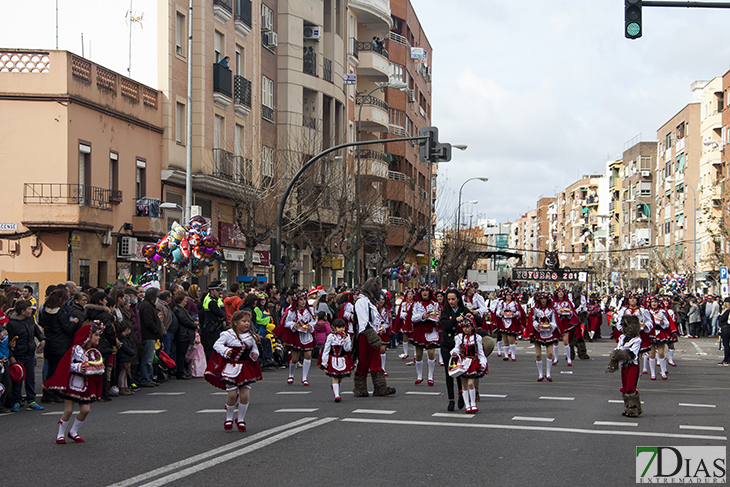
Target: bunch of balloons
(187,250)
(402,273)
(674,283)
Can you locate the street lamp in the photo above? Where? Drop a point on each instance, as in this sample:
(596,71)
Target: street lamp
(172,206)
(694,228)
(458,210)
(398,85)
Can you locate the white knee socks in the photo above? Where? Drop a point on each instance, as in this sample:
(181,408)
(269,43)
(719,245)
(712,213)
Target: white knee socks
(419,370)
(646,363)
(549,365)
(382,361)
(465,395)
(671,355)
(567,354)
(539,368)
(62,425)
(513,351)
(431,366)
(75,427)
(663,365)
(555,354)
(242,408)
(499,349)
(336,390)
(292,368)
(306,363)
(229,412)
(652,366)
(473,397)
(441,359)
(405,347)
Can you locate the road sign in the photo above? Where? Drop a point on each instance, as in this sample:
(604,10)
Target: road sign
(723,272)
(723,290)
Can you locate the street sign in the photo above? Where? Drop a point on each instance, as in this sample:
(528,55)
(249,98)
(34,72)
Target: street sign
(723,290)
(13,227)
(560,275)
(349,79)
(723,272)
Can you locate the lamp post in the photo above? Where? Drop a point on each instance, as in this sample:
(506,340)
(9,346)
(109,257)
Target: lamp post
(172,206)
(397,86)
(694,230)
(458,210)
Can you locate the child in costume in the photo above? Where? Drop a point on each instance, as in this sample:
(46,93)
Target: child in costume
(335,359)
(78,378)
(470,349)
(544,330)
(196,356)
(384,331)
(234,366)
(626,357)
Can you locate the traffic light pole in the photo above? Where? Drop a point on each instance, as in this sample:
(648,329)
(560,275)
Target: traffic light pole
(276,243)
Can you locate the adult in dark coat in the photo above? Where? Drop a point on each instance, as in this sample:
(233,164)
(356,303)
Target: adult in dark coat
(185,333)
(23,331)
(452,314)
(97,310)
(59,329)
(151,332)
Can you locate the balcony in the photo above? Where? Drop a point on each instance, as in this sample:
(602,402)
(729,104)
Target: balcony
(309,122)
(66,206)
(149,221)
(309,61)
(327,69)
(222,85)
(375,116)
(243,170)
(242,17)
(375,14)
(241,96)
(373,61)
(222,10)
(223,165)
(115,196)
(267,113)
(373,165)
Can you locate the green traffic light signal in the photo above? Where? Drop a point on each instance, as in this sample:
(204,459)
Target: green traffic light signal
(632,19)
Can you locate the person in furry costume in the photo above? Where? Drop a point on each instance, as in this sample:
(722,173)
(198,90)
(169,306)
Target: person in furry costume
(626,357)
(368,342)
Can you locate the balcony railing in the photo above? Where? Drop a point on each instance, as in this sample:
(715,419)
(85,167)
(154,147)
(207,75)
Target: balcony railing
(222,80)
(396,220)
(309,61)
(244,170)
(399,176)
(115,196)
(66,194)
(148,207)
(242,91)
(379,156)
(309,122)
(243,11)
(327,69)
(225,4)
(267,113)
(371,100)
(369,46)
(223,164)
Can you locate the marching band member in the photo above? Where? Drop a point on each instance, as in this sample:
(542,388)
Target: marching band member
(404,315)
(662,335)
(567,319)
(511,319)
(299,321)
(544,330)
(336,359)
(426,335)
(470,349)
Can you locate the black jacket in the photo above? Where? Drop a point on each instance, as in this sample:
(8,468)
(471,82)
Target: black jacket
(186,325)
(149,321)
(450,326)
(26,332)
(108,339)
(127,352)
(58,329)
(77,311)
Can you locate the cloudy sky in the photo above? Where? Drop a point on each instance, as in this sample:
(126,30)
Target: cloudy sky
(542,91)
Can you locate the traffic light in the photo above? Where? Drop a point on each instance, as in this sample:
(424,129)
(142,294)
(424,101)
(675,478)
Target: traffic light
(632,19)
(434,263)
(430,150)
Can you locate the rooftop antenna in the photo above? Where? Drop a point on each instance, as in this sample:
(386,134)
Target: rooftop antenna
(131,17)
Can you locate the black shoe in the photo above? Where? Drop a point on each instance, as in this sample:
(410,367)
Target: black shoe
(450,407)
(461,401)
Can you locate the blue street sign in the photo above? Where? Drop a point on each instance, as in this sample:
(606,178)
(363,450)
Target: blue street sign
(723,272)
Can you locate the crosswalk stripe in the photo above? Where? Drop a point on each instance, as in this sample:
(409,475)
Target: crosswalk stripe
(551,398)
(707,428)
(296,410)
(166,393)
(373,411)
(613,423)
(417,393)
(452,415)
(144,411)
(293,393)
(527,418)
(697,405)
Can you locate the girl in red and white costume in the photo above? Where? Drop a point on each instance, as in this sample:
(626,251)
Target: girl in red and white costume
(470,348)
(567,319)
(667,304)
(405,312)
(234,366)
(384,331)
(475,302)
(336,359)
(493,305)
(347,311)
(544,330)
(646,321)
(662,334)
(440,298)
(511,320)
(75,382)
(425,317)
(299,321)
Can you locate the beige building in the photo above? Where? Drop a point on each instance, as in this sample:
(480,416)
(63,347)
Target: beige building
(577,221)
(81,159)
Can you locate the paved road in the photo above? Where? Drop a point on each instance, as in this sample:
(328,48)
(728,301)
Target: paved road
(568,432)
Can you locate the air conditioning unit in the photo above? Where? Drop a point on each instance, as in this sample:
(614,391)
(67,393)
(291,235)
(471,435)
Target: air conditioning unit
(106,238)
(127,247)
(645,174)
(267,19)
(427,73)
(312,33)
(196,210)
(270,39)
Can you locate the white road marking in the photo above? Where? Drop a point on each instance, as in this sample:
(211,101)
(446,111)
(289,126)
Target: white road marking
(691,358)
(296,410)
(165,393)
(697,405)
(452,415)
(613,423)
(350,392)
(701,428)
(527,418)
(556,429)
(618,401)
(49,413)
(416,393)
(605,355)
(566,371)
(218,393)
(294,393)
(144,411)
(550,398)
(501,396)
(219,410)
(266,440)
(697,347)
(373,411)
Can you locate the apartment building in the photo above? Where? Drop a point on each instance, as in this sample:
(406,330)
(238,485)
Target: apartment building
(725,139)
(81,171)
(615,176)
(677,171)
(577,221)
(545,224)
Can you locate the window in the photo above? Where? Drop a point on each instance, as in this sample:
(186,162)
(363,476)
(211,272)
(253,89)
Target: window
(239,61)
(218,132)
(267,161)
(680,162)
(219,44)
(267,18)
(645,163)
(667,225)
(680,130)
(668,140)
(238,149)
(180,121)
(180,33)
(396,72)
(141,181)
(84,172)
(267,92)
(113,170)
(645,188)
(351,88)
